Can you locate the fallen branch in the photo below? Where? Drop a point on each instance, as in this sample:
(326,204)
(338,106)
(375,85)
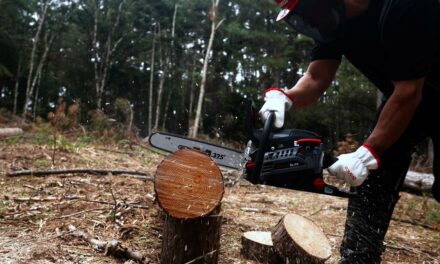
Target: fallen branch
(111,247)
(42,173)
(44,199)
(73,197)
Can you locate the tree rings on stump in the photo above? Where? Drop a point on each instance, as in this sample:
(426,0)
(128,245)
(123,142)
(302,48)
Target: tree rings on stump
(258,246)
(188,184)
(300,240)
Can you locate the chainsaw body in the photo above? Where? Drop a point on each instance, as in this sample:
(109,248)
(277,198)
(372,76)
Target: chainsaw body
(291,158)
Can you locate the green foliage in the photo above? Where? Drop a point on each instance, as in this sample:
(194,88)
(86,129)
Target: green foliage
(251,52)
(42,163)
(43,135)
(434,213)
(13,140)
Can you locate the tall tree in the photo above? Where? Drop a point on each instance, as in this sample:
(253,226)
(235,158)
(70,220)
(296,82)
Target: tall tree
(150,91)
(215,24)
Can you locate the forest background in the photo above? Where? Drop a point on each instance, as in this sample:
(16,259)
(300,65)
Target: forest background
(165,65)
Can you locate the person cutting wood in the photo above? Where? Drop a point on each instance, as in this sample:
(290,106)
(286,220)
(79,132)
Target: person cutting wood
(396,45)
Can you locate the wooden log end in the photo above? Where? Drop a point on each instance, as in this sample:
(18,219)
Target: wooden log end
(258,246)
(188,184)
(300,240)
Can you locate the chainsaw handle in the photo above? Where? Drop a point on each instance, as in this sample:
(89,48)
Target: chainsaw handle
(262,147)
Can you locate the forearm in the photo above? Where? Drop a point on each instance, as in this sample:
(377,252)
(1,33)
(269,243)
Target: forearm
(396,115)
(306,91)
(315,81)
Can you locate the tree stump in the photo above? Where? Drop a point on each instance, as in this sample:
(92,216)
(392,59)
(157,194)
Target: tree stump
(189,188)
(258,246)
(299,240)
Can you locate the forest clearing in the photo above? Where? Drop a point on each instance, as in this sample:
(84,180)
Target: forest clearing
(86,84)
(36,212)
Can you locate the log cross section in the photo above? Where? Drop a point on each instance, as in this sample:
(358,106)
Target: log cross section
(188,184)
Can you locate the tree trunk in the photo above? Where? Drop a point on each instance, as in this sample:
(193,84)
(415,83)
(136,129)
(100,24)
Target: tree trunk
(191,98)
(150,93)
(162,75)
(189,188)
(17,85)
(102,62)
(214,26)
(299,240)
(10,132)
(36,40)
(258,246)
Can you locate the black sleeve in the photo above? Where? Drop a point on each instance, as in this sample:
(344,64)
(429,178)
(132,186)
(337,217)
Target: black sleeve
(411,39)
(325,51)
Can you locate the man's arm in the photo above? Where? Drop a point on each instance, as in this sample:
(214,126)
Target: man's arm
(396,114)
(315,81)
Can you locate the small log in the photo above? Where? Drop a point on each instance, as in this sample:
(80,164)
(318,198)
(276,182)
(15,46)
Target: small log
(10,132)
(258,246)
(299,240)
(418,182)
(189,188)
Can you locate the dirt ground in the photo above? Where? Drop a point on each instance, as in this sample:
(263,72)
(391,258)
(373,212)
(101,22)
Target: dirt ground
(35,212)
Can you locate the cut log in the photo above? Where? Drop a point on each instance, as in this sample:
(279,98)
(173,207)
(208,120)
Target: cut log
(418,182)
(189,188)
(299,240)
(258,246)
(9,132)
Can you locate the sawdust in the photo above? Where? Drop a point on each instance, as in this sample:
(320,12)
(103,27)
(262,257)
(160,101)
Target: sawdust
(36,231)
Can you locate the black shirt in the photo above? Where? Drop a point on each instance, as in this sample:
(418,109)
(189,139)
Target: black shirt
(402,45)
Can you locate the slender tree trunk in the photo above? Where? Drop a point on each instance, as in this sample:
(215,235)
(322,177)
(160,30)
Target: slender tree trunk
(191,98)
(95,53)
(34,113)
(167,106)
(35,43)
(379,96)
(171,66)
(192,87)
(150,93)
(162,75)
(102,62)
(17,85)
(214,26)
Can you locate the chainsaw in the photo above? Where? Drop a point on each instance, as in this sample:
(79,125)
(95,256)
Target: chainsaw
(287,158)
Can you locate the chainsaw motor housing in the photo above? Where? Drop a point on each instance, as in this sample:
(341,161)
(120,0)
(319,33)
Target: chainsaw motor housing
(293,158)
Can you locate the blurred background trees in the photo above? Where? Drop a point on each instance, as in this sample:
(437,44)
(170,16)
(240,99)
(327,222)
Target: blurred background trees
(146,57)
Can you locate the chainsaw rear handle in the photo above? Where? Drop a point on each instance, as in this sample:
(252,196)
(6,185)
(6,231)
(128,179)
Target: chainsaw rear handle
(262,148)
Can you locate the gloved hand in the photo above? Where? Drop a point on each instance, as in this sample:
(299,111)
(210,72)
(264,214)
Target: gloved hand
(354,167)
(279,102)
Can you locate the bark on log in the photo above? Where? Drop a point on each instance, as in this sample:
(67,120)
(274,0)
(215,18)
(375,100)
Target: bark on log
(258,246)
(9,132)
(418,182)
(189,188)
(299,240)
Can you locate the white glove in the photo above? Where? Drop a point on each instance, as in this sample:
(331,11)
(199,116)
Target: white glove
(354,167)
(279,102)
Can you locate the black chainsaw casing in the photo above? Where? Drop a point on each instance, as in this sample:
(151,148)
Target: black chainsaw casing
(293,158)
